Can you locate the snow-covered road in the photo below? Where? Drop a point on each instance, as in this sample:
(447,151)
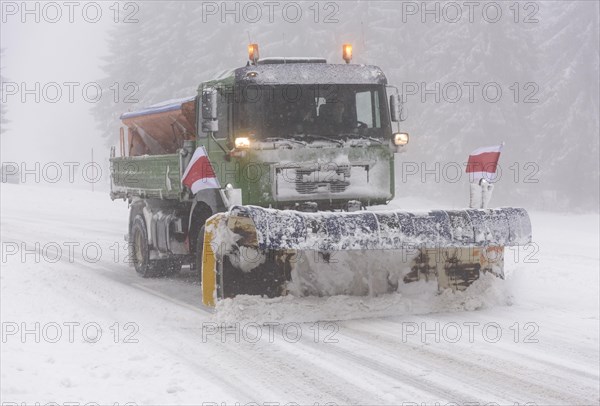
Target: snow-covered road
(85,328)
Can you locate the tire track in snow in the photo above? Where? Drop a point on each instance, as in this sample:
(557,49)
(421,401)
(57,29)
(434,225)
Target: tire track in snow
(484,375)
(374,363)
(321,384)
(207,372)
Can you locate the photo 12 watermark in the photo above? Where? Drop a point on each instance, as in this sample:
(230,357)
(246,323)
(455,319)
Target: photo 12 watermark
(61,403)
(326,12)
(429,332)
(90,332)
(68,92)
(52,172)
(453,12)
(270,332)
(470,92)
(453,172)
(53,12)
(267,403)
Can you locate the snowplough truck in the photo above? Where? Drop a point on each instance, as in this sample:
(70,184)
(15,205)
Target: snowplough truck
(262,181)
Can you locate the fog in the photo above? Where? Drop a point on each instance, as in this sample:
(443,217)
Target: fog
(448,61)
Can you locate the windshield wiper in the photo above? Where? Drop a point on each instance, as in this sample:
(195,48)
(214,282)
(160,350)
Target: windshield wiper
(284,140)
(357,136)
(321,137)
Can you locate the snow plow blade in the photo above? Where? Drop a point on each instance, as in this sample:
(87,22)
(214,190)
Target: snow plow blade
(256,251)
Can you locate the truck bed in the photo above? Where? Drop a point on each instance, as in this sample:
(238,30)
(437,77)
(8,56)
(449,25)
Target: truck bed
(146,176)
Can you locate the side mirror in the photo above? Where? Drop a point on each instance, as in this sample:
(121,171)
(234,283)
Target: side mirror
(396,108)
(210,122)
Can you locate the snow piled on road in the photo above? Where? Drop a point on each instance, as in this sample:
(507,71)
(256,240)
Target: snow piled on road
(414,298)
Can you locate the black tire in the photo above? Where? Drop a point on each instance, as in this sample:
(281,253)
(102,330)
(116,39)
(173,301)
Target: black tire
(145,266)
(140,249)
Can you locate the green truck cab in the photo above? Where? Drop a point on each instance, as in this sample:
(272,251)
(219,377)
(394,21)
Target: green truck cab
(285,133)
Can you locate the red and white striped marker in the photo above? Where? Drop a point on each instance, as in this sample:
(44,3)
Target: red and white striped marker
(483,163)
(199,174)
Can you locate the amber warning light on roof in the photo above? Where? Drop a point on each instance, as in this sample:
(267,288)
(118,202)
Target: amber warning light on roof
(253,53)
(347,52)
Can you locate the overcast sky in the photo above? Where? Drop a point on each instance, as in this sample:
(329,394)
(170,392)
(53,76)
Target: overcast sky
(46,53)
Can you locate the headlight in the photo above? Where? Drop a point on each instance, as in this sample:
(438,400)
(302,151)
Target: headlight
(399,139)
(242,142)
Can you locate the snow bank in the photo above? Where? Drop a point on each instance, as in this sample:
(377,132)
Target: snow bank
(414,298)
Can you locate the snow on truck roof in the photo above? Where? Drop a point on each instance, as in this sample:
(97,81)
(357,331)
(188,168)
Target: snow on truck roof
(162,107)
(309,73)
(290,59)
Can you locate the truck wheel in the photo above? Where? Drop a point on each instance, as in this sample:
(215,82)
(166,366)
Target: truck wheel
(141,251)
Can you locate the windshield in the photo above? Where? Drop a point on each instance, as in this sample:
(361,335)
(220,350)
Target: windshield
(297,111)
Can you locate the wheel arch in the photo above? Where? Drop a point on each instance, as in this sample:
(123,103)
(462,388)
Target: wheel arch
(140,207)
(206,203)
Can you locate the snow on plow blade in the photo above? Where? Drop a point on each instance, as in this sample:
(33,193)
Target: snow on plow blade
(257,251)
